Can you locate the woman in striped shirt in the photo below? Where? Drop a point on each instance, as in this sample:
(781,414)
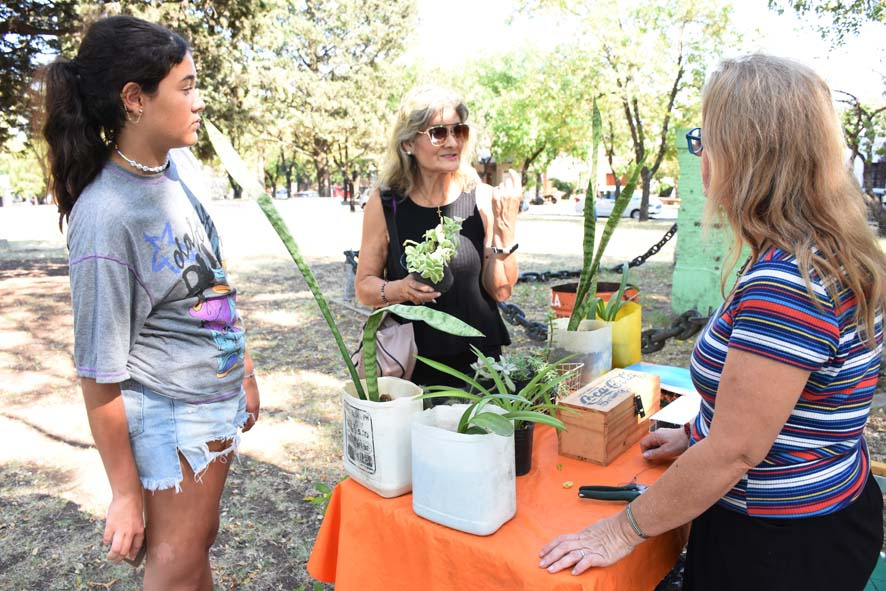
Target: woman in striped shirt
(774,472)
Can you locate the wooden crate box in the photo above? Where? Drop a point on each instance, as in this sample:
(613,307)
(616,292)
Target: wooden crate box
(609,415)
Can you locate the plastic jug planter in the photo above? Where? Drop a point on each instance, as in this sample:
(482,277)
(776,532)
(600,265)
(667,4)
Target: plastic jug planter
(626,331)
(466,482)
(591,345)
(376,440)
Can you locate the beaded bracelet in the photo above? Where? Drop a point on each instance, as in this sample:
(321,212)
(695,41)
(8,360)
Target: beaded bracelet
(633,522)
(249,375)
(384,299)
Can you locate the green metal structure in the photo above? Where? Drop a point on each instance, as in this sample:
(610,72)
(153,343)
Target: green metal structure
(700,253)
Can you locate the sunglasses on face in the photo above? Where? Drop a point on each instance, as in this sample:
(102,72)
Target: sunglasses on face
(693,140)
(439,133)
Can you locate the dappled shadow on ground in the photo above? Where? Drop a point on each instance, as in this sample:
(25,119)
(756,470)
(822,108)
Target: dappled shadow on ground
(49,543)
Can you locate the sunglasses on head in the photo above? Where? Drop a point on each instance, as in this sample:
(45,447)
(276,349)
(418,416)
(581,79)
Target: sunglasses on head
(439,133)
(693,140)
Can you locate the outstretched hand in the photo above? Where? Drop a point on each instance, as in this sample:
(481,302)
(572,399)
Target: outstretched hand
(600,544)
(664,445)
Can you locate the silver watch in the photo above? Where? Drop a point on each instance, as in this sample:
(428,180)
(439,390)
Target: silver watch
(497,250)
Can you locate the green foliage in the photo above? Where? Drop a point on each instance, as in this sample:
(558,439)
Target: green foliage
(322,498)
(608,311)
(844,18)
(528,405)
(534,105)
(429,257)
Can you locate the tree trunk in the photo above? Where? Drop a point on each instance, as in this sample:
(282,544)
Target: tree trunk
(644,200)
(238,190)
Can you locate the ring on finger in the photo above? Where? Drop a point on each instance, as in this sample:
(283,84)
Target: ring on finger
(582,552)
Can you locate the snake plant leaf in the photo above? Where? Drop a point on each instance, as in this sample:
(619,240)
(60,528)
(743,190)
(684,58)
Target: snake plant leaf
(583,307)
(588,274)
(435,318)
(240,173)
(493,422)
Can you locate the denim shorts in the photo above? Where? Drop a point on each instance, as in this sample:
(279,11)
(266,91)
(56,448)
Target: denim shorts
(161,428)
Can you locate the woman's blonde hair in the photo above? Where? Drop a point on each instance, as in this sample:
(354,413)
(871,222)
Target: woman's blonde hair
(399,170)
(778,172)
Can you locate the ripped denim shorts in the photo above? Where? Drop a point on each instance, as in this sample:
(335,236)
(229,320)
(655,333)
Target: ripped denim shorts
(161,428)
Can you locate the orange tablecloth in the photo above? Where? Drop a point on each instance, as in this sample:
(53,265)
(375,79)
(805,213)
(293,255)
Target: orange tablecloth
(367,542)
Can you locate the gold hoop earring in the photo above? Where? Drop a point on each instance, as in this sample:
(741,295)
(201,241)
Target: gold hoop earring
(141,112)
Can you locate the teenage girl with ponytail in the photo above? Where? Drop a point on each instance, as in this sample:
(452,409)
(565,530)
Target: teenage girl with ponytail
(158,343)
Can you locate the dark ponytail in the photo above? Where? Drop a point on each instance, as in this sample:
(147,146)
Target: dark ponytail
(83,111)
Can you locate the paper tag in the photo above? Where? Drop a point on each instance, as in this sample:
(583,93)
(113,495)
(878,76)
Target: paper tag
(358,438)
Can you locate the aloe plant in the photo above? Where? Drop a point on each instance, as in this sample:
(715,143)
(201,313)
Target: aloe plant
(587,284)
(609,310)
(440,320)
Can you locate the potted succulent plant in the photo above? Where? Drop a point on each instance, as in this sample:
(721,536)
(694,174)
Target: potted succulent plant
(523,386)
(464,456)
(428,260)
(377,411)
(581,334)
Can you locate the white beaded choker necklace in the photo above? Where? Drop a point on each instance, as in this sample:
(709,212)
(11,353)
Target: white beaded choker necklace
(142,167)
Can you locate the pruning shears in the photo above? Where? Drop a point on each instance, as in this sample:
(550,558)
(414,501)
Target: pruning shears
(627,492)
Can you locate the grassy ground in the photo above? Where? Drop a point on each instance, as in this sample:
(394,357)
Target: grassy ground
(53,491)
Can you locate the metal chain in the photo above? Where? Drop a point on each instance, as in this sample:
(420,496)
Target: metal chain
(536,331)
(684,327)
(637,261)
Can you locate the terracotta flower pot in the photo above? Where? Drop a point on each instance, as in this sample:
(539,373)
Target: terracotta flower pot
(563,295)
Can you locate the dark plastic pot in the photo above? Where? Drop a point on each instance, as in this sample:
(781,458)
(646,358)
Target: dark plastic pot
(523,448)
(442,286)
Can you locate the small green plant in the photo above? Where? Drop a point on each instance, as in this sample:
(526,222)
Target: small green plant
(439,320)
(608,311)
(528,405)
(322,498)
(429,257)
(514,368)
(587,285)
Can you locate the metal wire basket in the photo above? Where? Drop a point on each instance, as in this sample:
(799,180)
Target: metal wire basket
(573,380)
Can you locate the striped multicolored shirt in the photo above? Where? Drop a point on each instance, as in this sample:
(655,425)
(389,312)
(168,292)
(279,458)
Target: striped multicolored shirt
(819,462)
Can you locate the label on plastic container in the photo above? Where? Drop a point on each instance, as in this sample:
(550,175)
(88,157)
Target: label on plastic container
(358,438)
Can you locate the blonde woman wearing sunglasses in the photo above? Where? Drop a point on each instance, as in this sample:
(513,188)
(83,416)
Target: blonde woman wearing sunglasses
(773,473)
(427,173)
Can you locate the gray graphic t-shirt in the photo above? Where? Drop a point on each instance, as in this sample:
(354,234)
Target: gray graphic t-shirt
(150,295)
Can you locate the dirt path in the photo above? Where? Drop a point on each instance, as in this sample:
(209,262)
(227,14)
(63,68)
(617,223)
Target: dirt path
(53,491)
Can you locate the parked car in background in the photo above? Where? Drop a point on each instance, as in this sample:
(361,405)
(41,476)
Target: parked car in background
(307,194)
(281,193)
(606,201)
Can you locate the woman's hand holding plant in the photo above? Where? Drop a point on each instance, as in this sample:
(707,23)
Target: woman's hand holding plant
(410,290)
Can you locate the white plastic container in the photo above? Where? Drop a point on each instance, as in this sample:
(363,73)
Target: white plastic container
(591,344)
(376,442)
(465,482)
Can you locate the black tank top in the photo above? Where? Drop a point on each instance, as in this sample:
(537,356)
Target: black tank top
(466,299)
